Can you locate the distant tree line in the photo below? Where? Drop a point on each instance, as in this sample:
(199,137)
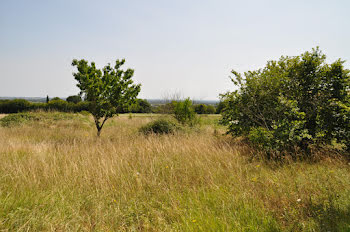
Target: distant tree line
(56,104)
(76,104)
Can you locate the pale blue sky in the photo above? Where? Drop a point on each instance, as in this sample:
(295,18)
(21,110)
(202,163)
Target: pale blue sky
(186,46)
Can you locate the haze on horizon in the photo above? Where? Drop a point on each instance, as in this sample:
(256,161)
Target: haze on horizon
(186,47)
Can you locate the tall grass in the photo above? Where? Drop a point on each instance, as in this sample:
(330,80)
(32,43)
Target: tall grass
(57,176)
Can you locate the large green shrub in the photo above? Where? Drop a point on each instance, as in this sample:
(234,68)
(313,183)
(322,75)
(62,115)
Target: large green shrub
(184,112)
(297,102)
(159,126)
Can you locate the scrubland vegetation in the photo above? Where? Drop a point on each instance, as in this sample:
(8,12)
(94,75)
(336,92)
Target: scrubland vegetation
(277,159)
(56,175)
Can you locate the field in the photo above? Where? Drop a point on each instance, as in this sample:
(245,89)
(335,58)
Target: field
(56,175)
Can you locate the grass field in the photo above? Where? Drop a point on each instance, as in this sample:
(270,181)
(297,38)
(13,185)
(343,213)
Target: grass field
(55,175)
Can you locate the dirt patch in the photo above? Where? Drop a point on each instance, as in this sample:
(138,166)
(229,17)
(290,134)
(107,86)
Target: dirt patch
(2,115)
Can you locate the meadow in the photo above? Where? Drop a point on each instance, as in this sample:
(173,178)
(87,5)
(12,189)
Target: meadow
(56,175)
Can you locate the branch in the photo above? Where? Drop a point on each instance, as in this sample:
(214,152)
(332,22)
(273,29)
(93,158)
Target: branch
(104,120)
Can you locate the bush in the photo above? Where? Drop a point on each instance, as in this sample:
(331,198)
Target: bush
(184,112)
(159,126)
(16,119)
(297,102)
(28,117)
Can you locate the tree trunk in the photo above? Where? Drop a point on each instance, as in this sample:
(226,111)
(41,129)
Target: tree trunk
(98,126)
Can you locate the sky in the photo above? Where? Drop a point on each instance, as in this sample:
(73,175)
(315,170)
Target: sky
(176,47)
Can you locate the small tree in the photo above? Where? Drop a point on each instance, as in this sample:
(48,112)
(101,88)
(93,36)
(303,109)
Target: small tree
(106,89)
(47,99)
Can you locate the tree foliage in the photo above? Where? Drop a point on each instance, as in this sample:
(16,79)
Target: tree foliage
(106,90)
(297,102)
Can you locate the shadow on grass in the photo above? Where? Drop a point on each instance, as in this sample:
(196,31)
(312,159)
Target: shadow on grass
(330,216)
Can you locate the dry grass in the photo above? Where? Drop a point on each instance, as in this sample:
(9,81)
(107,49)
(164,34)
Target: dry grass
(59,177)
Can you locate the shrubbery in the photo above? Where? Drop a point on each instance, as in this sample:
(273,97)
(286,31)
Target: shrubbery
(294,103)
(16,119)
(26,117)
(184,112)
(160,126)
